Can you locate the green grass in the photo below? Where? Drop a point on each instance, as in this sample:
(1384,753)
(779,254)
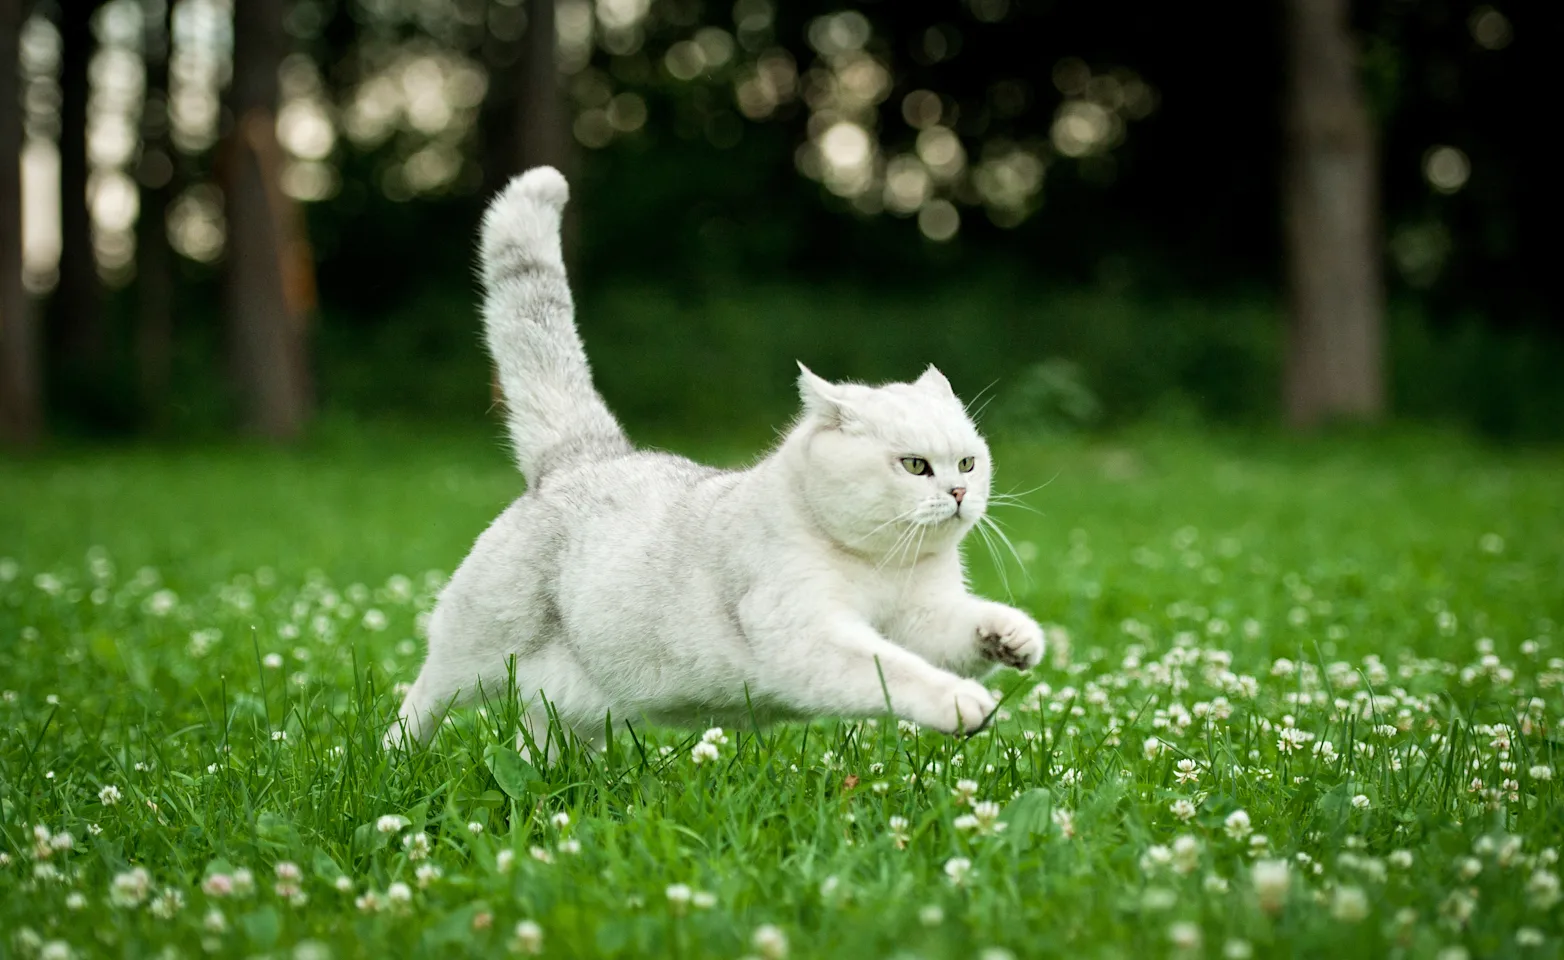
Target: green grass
(191,632)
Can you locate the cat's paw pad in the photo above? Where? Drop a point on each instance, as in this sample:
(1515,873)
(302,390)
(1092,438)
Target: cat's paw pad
(962,708)
(1010,637)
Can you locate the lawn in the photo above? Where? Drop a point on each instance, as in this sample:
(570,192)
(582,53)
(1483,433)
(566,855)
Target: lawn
(1301,697)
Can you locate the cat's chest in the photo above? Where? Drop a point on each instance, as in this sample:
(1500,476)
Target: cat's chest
(882,598)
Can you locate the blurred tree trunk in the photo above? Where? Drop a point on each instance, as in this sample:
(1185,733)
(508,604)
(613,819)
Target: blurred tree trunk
(21,406)
(77,339)
(539,118)
(154,266)
(542,121)
(270,282)
(1335,344)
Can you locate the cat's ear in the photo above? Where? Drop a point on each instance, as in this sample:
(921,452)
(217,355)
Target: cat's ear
(822,399)
(933,380)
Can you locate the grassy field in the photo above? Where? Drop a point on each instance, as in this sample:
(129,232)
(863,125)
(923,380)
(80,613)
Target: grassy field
(1302,698)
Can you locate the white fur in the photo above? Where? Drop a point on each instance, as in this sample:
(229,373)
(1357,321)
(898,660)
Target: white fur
(820,581)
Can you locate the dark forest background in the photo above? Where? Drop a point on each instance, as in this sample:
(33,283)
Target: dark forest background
(263,211)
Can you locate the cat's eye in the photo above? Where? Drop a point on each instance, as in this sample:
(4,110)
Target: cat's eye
(967,463)
(917,466)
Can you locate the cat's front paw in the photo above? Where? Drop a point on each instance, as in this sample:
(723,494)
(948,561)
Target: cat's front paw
(963,707)
(1010,637)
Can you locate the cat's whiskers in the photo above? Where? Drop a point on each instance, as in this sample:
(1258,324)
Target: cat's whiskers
(998,530)
(993,556)
(898,547)
(905,515)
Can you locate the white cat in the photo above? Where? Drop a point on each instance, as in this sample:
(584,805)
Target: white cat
(823,580)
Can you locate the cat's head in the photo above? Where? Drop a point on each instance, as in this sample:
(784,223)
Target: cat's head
(893,471)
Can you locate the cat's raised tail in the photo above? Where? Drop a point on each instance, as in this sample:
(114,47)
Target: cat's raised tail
(556,417)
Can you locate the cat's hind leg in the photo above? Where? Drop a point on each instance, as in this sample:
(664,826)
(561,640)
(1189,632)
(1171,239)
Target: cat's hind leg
(457,672)
(563,701)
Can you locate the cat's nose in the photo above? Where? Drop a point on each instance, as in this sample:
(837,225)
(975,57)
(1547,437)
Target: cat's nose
(959,493)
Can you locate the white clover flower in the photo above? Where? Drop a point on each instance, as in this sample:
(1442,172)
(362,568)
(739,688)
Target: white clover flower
(1360,802)
(1527,937)
(214,921)
(416,845)
(244,882)
(166,904)
(375,621)
(217,885)
(109,795)
(1237,824)
(1350,905)
(392,823)
(1213,883)
(1400,859)
(1458,907)
(1541,772)
(769,941)
(957,869)
(474,828)
(504,860)
(965,822)
(1271,879)
(272,661)
(540,855)
(343,883)
(56,950)
(1468,867)
(130,888)
(1186,854)
(399,894)
(1184,935)
(279,735)
(527,938)
(1291,740)
(964,791)
(704,900)
(288,871)
(1157,855)
(703,752)
(1543,889)
(1187,771)
(1236,949)
(987,814)
(1065,821)
(1182,809)
(1153,748)
(570,846)
(678,895)
(716,736)
(75,900)
(426,874)
(898,827)
(560,820)
(931,915)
